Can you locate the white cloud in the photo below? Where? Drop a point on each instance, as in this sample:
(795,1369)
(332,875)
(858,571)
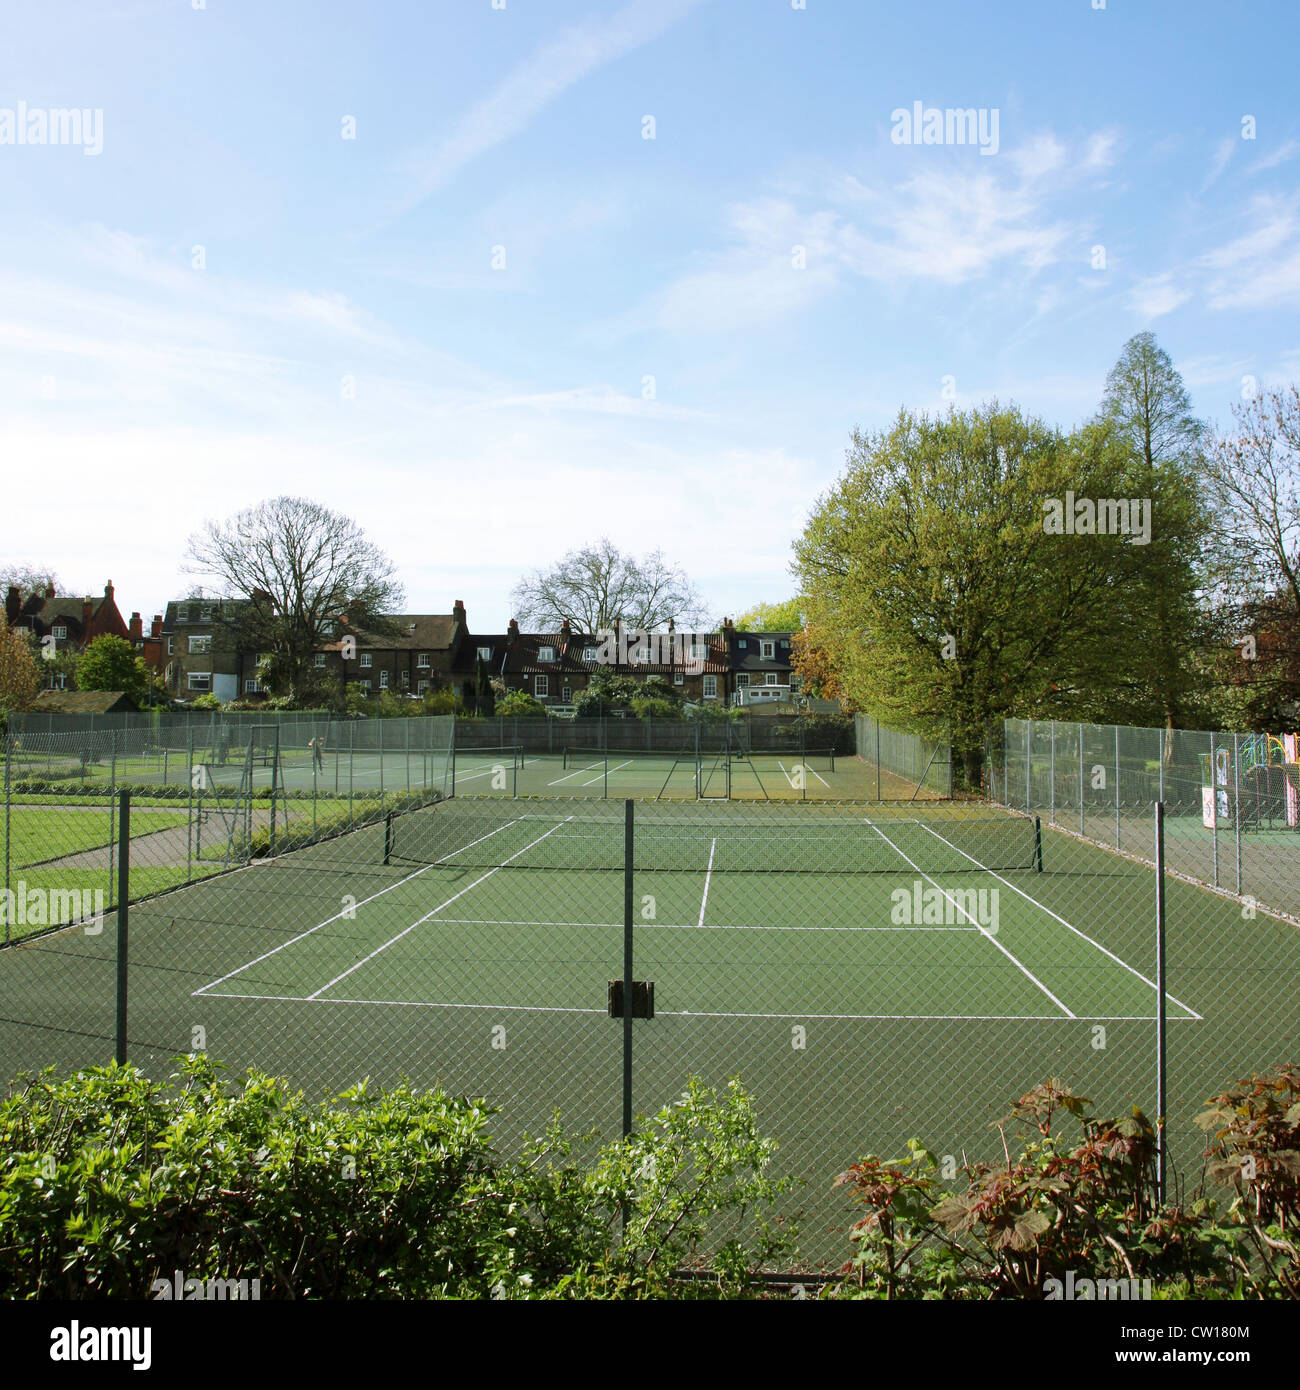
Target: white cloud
(1223,152)
(536,82)
(1101,149)
(1260,268)
(1156,296)
(1281,155)
(1038,156)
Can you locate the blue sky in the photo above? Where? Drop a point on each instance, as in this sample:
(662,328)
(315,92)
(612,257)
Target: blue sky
(654,360)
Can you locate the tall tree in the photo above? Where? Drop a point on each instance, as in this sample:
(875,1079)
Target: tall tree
(773,617)
(1148,413)
(28,578)
(593,588)
(288,569)
(940,597)
(1255,475)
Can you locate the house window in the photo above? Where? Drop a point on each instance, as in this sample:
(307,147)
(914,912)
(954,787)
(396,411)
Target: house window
(422,661)
(60,680)
(743,643)
(546,653)
(769,651)
(171,646)
(771,678)
(710,687)
(365,686)
(643,653)
(485,653)
(742,678)
(699,651)
(182,613)
(566,694)
(678,678)
(251,686)
(590,654)
(406,679)
(421,687)
(367,660)
(327,627)
(543,686)
(199,646)
(200,680)
(320,659)
(383,680)
(60,631)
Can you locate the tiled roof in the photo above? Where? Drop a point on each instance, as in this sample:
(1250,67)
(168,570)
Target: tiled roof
(81,702)
(421,632)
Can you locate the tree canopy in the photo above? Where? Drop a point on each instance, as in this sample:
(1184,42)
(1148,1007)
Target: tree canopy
(773,617)
(598,585)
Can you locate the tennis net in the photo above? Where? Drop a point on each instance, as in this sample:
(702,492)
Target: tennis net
(596,758)
(464,834)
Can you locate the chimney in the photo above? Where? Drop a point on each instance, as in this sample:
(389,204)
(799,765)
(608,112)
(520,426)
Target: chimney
(13,604)
(108,592)
(49,590)
(85,617)
(566,633)
(458,612)
(156,629)
(136,627)
(512,631)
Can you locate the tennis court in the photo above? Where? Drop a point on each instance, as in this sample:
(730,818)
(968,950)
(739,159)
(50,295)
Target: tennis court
(871,972)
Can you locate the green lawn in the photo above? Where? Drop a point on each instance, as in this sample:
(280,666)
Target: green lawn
(40,834)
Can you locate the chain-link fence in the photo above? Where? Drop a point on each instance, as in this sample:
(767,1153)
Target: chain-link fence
(906,766)
(872,971)
(1232,800)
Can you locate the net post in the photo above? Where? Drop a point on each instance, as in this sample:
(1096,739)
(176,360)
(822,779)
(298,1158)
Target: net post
(1038,844)
(388,837)
(1116,786)
(628,975)
(123,897)
(1161,1007)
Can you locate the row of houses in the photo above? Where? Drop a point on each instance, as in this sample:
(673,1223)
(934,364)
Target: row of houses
(189,650)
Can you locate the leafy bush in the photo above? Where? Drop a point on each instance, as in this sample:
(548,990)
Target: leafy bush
(206,701)
(519,703)
(110,1181)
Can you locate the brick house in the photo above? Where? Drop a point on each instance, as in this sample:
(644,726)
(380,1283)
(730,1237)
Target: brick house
(761,660)
(63,622)
(150,646)
(555,667)
(198,654)
(423,656)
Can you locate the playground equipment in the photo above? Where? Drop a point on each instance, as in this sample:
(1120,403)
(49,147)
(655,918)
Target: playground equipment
(1262,792)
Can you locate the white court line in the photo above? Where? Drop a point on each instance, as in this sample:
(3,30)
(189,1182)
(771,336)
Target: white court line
(393,940)
(988,936)
(347,910)
(579,773)
(626,763)
(687,1013)
(487,771)
(683,926)
(708,874)
(1063,922)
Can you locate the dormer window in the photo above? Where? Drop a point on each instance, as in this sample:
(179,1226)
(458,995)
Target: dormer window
(769,651)
(643,653)
(699,651)
(485,653)
(590,654)
(59,632)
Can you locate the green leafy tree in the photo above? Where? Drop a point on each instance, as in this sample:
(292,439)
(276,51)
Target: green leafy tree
(940,600)
(773,617)
(110,663)
(520,704)
(1158,452)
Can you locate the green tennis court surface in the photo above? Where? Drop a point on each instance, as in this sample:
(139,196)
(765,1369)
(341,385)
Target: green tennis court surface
(871,974)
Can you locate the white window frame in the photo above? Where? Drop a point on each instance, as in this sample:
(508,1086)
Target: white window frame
(205,613)
(320,659)
(59,632)
(768,649)
(699,651)
(421,687)
(643,654)
(485,654)
(742,679)
(546,653)
(591,653)
(743,643)
(404,680)
(365,685)
(422,661)
(543,687)
(678,678)
(367,660)
(772,678)
(709,688)
(201,646)
(171,646)
(199,676)
(566,695)
(251,686)
(383,680)
(60,680)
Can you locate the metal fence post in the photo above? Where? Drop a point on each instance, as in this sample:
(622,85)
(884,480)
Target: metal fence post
(1080,727)
(628,975)
(1161,1020)
(1116,786)
(9,743)
(1051,811)
(123,900)
(1236,805)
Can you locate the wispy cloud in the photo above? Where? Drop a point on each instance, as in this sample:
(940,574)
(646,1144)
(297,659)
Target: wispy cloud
(1223,152)
(1284,152)
(1156,296)
(536,82)
(1261,268)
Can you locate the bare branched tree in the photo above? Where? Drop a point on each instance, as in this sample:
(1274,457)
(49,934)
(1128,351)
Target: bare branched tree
(29,578)
(286,568)
(596,586)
